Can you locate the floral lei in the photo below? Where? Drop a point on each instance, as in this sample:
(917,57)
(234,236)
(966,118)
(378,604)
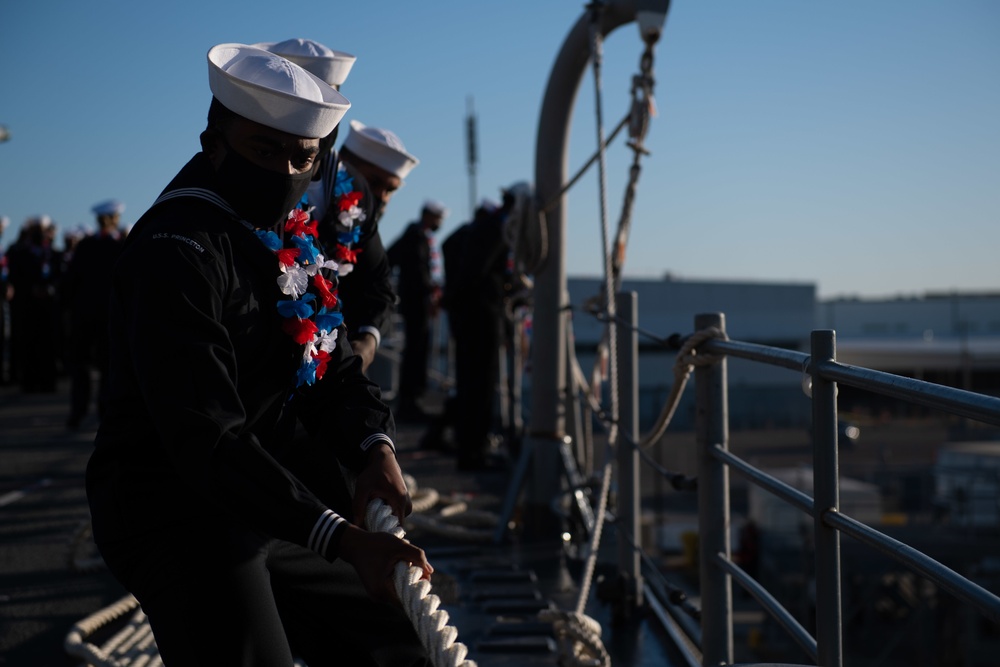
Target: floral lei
(312,311)
(350,215)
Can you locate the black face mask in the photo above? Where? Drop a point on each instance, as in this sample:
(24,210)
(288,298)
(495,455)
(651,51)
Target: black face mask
(261,197)
(378,207)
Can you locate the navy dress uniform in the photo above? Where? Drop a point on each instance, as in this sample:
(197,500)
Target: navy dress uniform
(87,291)
(224,335)
(419,298)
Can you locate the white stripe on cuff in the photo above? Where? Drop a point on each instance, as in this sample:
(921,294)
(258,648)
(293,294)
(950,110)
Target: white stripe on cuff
(367,328)
(373,440)
(324,528)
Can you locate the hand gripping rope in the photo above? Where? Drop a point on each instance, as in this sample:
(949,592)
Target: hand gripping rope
(421,606)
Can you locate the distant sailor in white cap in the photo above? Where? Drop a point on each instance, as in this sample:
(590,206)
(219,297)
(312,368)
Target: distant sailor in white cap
(342,203)
(381,157)
(87,291)
(415,254)
(225,330)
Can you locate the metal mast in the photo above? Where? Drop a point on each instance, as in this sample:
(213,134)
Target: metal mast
(471,154)
(547,429)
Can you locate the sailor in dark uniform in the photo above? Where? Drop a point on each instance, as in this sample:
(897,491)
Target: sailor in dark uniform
(224,332)
(419,299)
(374,162)
(86,291)
(479,280)
(33,266)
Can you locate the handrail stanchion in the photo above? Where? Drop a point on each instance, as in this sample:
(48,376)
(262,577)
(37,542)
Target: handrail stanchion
(628,458)
(826,496)
(712,428)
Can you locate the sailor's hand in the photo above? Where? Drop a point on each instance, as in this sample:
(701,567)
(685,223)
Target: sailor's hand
(381,478)
(374,557)
(364,346)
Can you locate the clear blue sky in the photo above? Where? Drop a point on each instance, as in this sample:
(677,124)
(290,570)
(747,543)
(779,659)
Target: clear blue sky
(854,145)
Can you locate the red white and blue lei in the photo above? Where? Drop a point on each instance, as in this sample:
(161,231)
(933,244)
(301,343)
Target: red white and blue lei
(312,311)
(350,215)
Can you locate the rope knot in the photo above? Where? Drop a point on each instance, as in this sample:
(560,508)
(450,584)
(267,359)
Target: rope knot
(579,638)
(689,357)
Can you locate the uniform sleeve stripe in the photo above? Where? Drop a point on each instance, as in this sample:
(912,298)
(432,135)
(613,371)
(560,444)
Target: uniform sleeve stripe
(322,530)
(372,440)
(367,328)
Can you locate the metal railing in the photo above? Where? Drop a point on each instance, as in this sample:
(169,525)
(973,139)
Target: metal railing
(716,566)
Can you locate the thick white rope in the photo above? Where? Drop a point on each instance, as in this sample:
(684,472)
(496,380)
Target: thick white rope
(421,606)
(687,358)
(579,638)
(132,646)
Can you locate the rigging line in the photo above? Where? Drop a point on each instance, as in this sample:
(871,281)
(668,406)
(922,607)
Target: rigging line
(586,165)
(679,480)
(676,595)
(606,317)
(641,110)
(596,57)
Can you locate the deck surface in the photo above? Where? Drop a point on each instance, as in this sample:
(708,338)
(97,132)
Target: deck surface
(51,577)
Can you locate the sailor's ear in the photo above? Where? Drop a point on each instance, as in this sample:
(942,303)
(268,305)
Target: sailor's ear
(211,142)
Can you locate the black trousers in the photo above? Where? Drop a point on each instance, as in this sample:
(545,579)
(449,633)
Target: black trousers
(218,595)
(88,349)
(477,370)
(416,352)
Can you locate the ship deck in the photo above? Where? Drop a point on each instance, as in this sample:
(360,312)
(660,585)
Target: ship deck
(52,578)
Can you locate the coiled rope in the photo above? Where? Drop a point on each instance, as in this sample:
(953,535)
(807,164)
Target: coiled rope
(132,646)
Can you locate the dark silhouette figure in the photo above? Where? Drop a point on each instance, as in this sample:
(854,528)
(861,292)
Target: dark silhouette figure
(87,292)
(33,265)
(419,300)
(479,279)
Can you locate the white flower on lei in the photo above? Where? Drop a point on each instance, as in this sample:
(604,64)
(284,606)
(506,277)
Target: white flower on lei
(321,263)
(326,341)
(344,269)
(293,280)
(309,349)
(353,213)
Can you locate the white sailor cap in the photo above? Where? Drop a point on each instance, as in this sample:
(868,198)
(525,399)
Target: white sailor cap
(42,221)
(435,207)
(270,90)
(489,205)
(109,207)
(380,147)
(329,65)
(77,231)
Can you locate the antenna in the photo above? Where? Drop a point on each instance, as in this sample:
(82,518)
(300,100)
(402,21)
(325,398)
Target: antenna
(471,157)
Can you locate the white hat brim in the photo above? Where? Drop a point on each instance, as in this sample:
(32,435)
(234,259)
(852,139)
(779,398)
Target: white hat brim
(378,153)
(333,69)
(294,114)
